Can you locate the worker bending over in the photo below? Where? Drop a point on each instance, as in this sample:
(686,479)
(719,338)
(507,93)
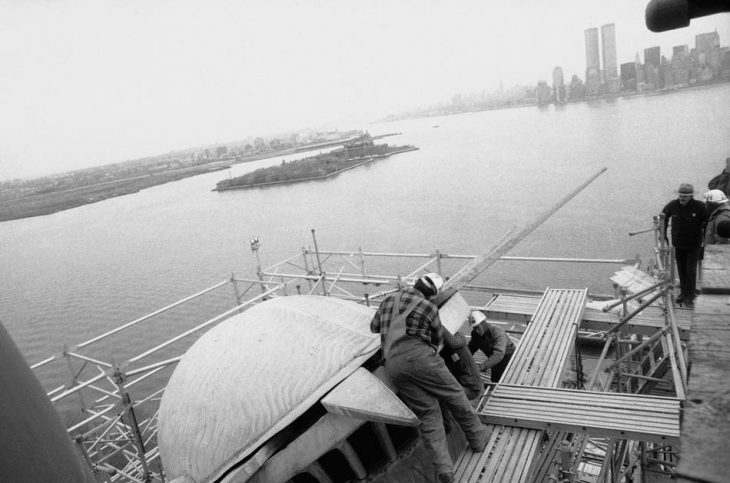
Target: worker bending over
(410,333)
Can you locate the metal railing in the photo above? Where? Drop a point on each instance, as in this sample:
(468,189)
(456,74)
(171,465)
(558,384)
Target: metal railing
(116,432)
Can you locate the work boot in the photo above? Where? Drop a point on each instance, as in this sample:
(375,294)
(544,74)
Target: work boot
(679,299)
(446,478)
(481,443)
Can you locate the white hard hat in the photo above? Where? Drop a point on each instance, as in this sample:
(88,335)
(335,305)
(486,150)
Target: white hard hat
(434,281)
(715,196)
(477,318)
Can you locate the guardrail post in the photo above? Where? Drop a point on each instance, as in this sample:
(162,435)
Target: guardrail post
(316,252)
(74,378)
(362,263)
(235,288)
(255,245)
(306,268)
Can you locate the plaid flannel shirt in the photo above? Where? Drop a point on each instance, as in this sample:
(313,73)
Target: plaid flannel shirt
(423,321)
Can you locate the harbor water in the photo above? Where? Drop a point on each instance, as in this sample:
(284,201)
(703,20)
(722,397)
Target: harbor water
(77,273)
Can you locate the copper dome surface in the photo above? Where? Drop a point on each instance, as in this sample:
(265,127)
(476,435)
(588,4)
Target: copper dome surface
(250,376)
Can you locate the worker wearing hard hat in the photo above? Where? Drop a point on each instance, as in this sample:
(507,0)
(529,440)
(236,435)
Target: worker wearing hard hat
(410,333)
(493,341)
(719,209)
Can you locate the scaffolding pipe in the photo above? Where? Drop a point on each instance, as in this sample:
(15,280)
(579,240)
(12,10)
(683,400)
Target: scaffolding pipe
(637,349)
(597,370)
(157,312)
(439,255)
(128,410)
(316,251)
(203,325)
(89,359)
(608,307)
(377,281)
(626,319)
(422,267)
(677,342)
(78,387)
(156,365)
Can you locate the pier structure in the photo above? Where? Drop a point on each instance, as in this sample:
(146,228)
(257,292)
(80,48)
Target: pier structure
(640,376)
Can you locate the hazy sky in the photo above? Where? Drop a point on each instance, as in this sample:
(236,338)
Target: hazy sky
(85,83)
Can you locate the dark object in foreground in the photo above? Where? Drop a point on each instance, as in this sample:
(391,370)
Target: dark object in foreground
(663,15)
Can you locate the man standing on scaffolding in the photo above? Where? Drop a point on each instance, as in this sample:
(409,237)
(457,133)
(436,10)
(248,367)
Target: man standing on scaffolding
(410,333)
(687,217)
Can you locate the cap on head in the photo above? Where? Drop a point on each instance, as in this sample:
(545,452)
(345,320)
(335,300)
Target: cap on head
(477,318)
(430,284)
(715,196)
(686,189)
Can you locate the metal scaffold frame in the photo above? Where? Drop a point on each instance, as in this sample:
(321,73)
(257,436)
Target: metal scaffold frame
(120,446)
(623,459)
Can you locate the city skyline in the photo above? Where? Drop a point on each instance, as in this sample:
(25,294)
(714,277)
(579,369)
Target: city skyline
(91,83)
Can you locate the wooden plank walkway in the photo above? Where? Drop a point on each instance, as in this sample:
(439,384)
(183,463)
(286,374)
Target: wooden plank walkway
(605,414)
(538,361)
(706,421)
(716,270)
(647,323)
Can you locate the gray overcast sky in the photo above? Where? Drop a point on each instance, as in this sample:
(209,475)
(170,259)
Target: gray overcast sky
(84,83)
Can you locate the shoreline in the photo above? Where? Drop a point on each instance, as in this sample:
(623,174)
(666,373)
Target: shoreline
(365,161)
(56,201)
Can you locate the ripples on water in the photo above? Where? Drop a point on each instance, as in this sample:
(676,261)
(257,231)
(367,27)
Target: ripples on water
(75,274)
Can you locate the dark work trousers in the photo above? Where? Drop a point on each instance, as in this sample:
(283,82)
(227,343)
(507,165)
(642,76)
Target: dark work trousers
(499,368)
(423,381)
(687,270)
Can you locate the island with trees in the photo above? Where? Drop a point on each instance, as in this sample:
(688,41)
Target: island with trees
(355,153)
(21,198)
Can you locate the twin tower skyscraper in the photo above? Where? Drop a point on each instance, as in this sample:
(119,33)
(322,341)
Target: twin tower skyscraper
(601,80)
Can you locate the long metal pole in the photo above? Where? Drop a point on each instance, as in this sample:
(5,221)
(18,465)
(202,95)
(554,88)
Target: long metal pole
(470,271)
(316,251)
(446,256)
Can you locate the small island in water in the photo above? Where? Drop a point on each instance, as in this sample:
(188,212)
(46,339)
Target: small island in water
(352,154)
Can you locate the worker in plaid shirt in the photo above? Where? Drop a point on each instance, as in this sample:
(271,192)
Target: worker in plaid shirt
(410,333)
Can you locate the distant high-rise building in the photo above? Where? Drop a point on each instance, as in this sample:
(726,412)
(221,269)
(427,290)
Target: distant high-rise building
(681,65)
(652,68)
(628,76)
(543,92)
(704,43)
(558,85)
(577,88)
(608,49)
(639,73)
(593,67)
(653,56)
